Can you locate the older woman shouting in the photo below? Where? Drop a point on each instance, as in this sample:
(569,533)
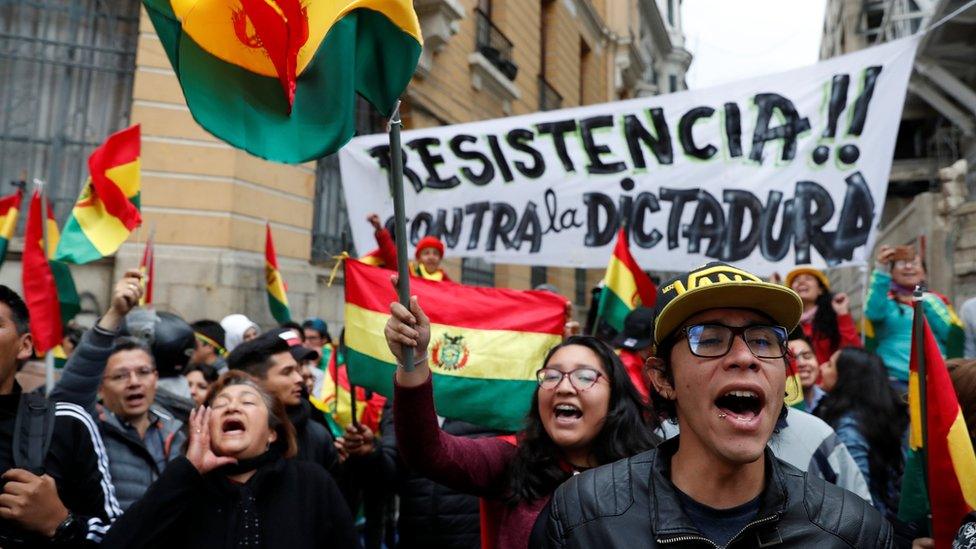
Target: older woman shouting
(236,486)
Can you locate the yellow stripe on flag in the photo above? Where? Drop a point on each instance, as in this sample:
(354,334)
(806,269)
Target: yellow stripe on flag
(219,26)
(486,354)
(963,459)
(621,281)
(8,223)
(126,177)
(53,237)
(103,230)
(914,412)
(276,285)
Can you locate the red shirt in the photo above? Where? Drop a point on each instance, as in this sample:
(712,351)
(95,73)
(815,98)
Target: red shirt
(849,337)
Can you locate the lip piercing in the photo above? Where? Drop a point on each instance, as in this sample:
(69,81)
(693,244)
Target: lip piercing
(722,415)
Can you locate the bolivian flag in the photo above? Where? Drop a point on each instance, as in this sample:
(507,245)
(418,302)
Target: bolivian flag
(9,209)
(486,343)
(108,208)
(625,286)
(279,78)
(947,488)
(49,289)
(277,298)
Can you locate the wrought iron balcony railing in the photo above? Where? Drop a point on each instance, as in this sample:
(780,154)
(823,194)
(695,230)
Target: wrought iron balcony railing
(494,45)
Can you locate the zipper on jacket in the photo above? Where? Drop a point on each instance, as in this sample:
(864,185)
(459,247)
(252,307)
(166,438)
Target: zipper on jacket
(717,546)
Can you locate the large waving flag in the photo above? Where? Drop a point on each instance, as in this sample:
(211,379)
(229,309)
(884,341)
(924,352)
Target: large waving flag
(277,298)
(108,208)
(9,209)
(279,78)
(49,289)
(947,486)
(625,286)
(486,343)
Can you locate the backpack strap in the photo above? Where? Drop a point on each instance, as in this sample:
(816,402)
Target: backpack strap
(33,430)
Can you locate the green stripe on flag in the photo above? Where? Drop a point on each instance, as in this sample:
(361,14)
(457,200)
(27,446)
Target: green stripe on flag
(612,309)
(484,402)
(279,310)
(323,115)
(67,293)
(3,249)
(914,504)
(74,246)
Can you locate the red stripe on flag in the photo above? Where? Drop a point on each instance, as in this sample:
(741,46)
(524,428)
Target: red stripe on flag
(645,286)
(148,267)
(459,305)
(269,250)
(11,201)
(40,290)
(942,408)
(120,148)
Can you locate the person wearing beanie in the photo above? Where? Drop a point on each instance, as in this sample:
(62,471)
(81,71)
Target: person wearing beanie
(210,345)
(429,253)
(238,329)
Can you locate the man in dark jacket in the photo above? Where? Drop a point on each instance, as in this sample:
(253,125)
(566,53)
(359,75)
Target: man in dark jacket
(69,501)
(268,358)
(719,369)
(141,436)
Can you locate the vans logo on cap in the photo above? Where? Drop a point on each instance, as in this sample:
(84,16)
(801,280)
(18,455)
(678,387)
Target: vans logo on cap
(707,276)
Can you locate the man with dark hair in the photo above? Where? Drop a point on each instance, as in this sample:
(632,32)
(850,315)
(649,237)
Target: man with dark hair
(268,358)
(720,369)
(141,436)
(209,345)
(63,496)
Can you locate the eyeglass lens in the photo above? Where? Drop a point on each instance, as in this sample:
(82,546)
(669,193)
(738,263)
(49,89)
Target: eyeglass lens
(715,340)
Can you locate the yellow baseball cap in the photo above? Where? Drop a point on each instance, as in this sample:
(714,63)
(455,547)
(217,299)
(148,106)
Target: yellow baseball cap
(718,285)
(816,273)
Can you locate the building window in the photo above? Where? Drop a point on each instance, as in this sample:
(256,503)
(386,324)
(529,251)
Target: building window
(66,79)
(582,291)
(671,9)
(538,276)
(477,272)
(492,43)
(672,83)
(330,218)
(584,70)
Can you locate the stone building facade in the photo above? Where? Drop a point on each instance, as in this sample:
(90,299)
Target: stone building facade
(100,66)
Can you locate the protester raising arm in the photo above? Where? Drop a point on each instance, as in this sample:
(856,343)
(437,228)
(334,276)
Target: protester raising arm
(82,375)
(476,466)
(584,413)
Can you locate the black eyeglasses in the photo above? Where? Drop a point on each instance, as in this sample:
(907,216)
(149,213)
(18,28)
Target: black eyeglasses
(715,340)
(580,378)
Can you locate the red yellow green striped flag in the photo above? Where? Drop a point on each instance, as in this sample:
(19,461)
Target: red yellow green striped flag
(625,286)
(947,486)
(49,290)
(108,208)
(486,343)
(277,298)
(279,78)
(9,209)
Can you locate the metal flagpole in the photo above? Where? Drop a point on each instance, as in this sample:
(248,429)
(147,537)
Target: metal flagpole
(342,348)
(400,222)
(918,342)
(49,356)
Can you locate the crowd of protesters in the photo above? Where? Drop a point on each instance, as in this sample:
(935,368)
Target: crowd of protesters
(161,433)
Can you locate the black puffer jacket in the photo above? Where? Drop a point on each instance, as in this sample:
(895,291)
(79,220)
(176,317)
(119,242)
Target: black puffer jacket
(431,515)
(631,503)
(315,443)
(297,505)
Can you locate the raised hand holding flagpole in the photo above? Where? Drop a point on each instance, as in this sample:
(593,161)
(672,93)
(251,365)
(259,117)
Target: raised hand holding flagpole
(399,221)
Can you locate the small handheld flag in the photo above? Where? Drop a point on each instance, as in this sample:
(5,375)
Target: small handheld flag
(107,210)
(277,298)
(9,210)
(626,286)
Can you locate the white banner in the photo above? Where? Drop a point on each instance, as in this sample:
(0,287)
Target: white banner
(768,172)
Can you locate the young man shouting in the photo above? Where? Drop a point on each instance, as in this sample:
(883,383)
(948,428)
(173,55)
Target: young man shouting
(719,368)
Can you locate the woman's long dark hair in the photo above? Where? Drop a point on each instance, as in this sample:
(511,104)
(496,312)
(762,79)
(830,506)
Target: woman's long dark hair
(538,468)
(825,319)
(863,391)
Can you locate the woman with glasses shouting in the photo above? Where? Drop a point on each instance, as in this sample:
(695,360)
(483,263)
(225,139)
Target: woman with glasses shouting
(585,413)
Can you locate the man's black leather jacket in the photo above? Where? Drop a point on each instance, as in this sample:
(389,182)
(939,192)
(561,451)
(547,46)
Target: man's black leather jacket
(632,503)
